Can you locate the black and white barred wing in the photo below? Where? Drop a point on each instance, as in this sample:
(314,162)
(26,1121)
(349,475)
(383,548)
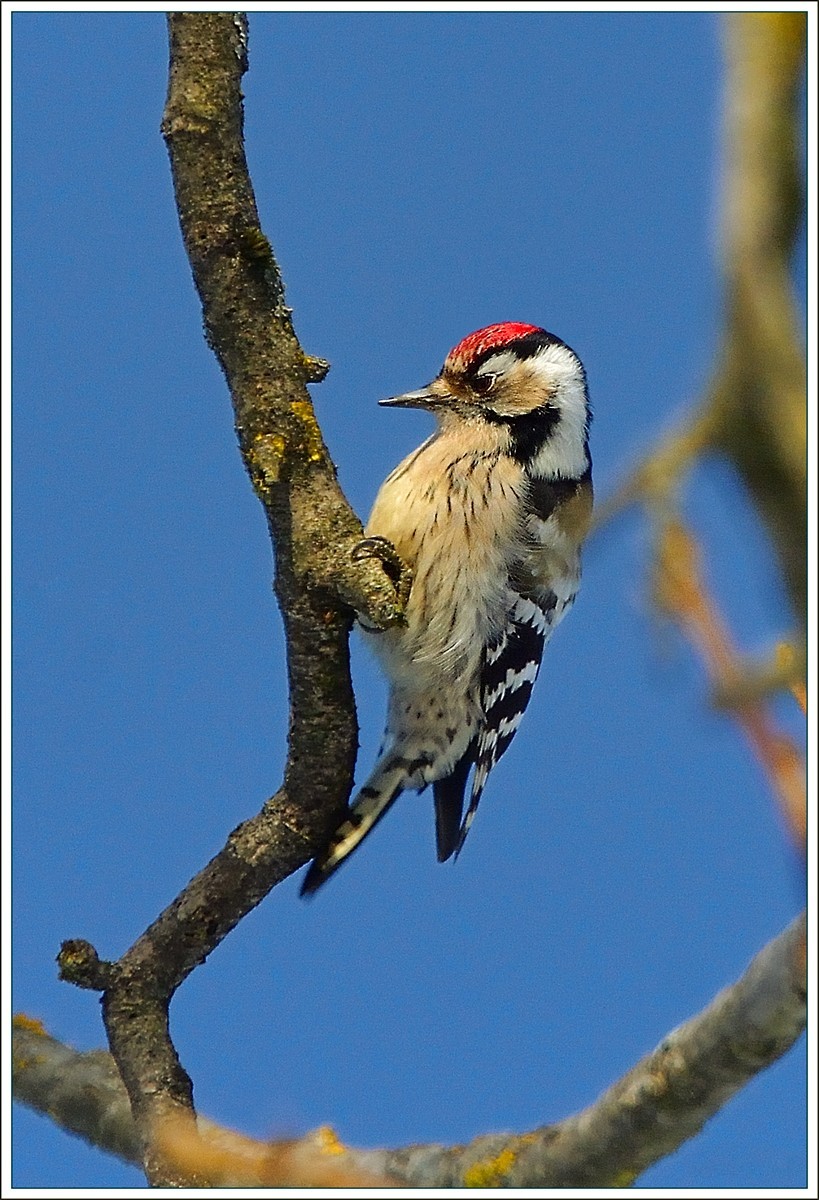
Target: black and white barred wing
(510,666)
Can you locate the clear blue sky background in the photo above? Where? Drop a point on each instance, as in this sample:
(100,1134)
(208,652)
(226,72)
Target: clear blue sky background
(420,175)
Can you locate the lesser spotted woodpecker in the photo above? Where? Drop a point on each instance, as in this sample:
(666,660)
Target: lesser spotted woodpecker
(489,515)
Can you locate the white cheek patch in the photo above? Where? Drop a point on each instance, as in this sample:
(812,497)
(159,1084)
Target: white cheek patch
(565,451)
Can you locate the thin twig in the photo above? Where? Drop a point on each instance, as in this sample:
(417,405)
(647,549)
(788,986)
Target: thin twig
(681,592)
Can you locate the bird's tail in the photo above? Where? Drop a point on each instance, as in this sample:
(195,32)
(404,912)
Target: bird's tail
(389,779)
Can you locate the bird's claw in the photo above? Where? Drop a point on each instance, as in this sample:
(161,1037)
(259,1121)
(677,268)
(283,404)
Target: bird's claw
(391,561)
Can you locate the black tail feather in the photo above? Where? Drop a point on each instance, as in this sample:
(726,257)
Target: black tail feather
(449,806)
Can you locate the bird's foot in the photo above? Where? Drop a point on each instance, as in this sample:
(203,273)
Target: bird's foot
(393,564)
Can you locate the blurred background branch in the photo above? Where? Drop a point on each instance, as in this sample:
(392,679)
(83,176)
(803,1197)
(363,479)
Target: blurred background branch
(758,391)
(754,409)
(681,592)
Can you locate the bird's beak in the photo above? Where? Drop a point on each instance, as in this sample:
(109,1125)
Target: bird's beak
(434,395)
(423,398)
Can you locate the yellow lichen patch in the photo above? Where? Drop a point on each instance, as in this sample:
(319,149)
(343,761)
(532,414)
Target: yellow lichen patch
(328,1140)
(490,1173)
(266,457)
(303,409)
(624,1178)
(30,1024)
(255,245)
(199,103)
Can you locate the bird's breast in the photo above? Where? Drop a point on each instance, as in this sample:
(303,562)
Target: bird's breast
(456,520)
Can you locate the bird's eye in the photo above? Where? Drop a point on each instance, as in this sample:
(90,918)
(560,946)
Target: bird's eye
(483,384)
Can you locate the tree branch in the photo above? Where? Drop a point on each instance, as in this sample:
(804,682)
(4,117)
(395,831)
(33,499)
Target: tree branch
(318,580)
(754,410)
(759,391)
(681,592)
(657,1106)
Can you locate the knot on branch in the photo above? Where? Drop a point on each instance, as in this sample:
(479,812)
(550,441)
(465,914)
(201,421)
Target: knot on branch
(317,368)
(80,964)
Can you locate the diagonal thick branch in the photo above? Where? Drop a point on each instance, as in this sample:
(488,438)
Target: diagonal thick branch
(660,1103)
(318,582)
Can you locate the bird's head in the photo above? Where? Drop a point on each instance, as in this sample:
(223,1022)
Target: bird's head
(521,378)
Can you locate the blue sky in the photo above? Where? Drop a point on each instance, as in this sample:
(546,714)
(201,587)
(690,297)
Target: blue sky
(420,174)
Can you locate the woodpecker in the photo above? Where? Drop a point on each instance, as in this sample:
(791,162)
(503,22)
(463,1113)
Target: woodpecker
(488,515)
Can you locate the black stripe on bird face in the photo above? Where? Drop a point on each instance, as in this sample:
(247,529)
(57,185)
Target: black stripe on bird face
(527,432)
